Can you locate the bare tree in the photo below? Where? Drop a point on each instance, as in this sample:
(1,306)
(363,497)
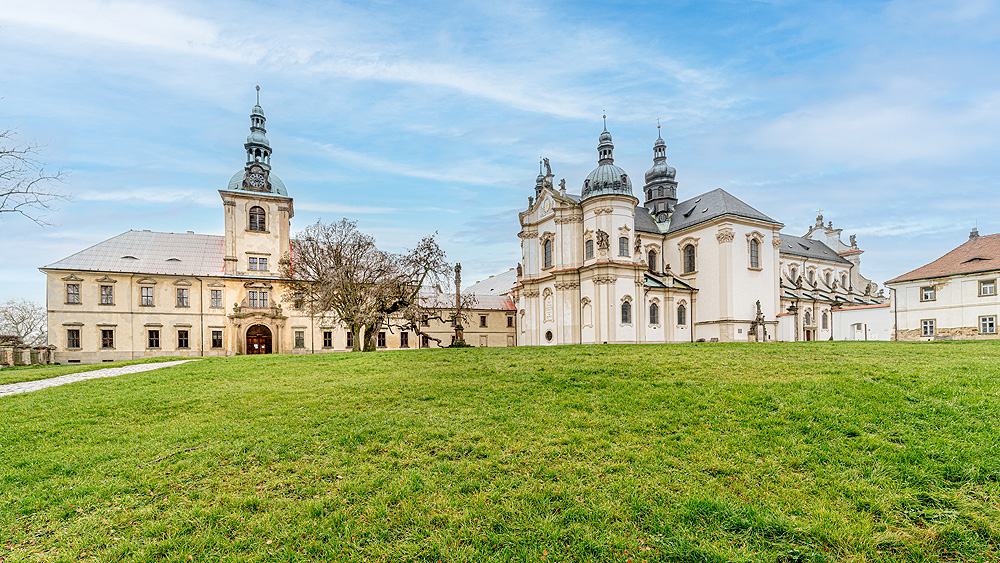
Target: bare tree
(25,186)
(24,320)
(337,272)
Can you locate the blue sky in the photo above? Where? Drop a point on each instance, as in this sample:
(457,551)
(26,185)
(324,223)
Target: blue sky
(418,117)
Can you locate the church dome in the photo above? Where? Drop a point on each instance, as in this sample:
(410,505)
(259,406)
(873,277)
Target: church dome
(277,186)
(661,171)
(606,179)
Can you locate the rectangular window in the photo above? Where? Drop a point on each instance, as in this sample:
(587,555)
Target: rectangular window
(988,325)
(404,340)
(547,247)
(755,256)
(107,295)
(425,321)
(482,321)
(72,293)
(182,339)
(73,338)
(183,295)
(350,340)
(252,265)
(153,339)
(258,298)
(623,246)
(107,338)
(590,249)
(381,340)
(262,264)
(216,339)
(216,302)
(328,339)
(510,321)
(927,294)
(300,339)
(146,296)
(425,342)
(988,287)
(252,298)
(298,301)
(927,327)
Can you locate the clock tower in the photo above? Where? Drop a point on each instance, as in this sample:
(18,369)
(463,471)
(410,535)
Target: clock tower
(257,208)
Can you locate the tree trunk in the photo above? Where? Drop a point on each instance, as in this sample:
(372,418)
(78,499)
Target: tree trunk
(370,332)
(355,332)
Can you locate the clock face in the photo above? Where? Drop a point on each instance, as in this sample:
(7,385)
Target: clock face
(256,181)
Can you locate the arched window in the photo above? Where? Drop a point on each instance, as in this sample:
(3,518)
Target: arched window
(689,258)
(825,321)
(257,222)
(623,246)
(807,319)
(754,253)
(843,280)
(651,258)
(654,314)
(795,273)
(827,277)
(548,253)
(590,249)
(626,313)
(811,272)
(681,314)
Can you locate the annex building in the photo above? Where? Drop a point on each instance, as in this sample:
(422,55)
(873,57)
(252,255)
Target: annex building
(145,293)
(953,297)
(599,267)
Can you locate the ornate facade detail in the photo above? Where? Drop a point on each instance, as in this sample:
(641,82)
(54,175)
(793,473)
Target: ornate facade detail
(603,241)
(725,235)
(567,285)
(569,219)
(528,233)
(604,211)
(624,230)
(776,242)
(530,293)
(547,235)
(604,279)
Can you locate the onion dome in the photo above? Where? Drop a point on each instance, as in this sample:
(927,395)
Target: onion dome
(660,170)
(607,178)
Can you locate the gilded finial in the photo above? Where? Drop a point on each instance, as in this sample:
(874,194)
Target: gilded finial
(258,94)
(658,128)
(605,118)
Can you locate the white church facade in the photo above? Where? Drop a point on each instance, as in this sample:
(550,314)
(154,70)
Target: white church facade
(599,268)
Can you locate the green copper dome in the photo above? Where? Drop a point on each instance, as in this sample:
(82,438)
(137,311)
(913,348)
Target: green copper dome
(277,186)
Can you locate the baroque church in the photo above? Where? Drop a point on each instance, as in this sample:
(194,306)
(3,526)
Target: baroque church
(600,268)
(145,293)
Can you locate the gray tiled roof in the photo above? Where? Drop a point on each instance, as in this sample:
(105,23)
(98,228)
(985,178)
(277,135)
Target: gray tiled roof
(809,248)
(644,222)
(710,205)
(499,284)
(146,252)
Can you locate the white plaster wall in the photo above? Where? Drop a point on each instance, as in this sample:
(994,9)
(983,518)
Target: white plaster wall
(875,323)
(957,302)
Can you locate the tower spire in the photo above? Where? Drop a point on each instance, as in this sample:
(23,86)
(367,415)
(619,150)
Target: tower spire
(258,94)
(257,146)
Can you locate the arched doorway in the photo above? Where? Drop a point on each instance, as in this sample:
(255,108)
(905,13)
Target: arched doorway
(258,340)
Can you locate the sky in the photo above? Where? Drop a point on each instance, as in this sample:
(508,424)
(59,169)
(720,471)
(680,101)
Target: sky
(420,117)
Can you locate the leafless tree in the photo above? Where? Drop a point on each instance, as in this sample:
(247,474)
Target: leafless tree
(24,320)
(26,188)
(335,271)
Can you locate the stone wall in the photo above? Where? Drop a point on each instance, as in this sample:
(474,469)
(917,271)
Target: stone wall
(19,355)
(958,333)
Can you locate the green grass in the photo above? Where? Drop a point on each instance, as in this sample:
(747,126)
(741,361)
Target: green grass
(780,453)
(20,374)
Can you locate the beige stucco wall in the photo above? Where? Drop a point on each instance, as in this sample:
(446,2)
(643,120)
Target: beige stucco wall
(956,308)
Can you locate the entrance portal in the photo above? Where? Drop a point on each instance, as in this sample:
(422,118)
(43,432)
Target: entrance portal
(258,340)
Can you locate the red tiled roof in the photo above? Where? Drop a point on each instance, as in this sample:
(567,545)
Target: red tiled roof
(980,254)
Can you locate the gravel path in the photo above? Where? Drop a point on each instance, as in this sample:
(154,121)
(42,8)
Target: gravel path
(28,386)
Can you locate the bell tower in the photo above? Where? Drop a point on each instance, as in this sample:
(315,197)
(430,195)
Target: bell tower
(257,207)
(661,184)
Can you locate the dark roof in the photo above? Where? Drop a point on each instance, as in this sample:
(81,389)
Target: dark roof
(979,254)
(644,222)
(145,252)
(809,248)
(708,206)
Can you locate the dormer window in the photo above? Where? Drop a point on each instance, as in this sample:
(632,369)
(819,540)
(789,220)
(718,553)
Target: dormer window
(257,221)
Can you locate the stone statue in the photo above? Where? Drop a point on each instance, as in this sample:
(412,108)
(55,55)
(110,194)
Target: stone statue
(854,241)
(562,184)
(798,282)
(531,201)
(603,242)
(638,245)
(548,169)
(519,271)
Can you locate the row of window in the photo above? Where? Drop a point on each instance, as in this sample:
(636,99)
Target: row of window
(654,314)
(256,263)
(146,293)
(824,320)
(426,321)
(987,325)
(987,288)
(74,340)
(811,277)
(380,339)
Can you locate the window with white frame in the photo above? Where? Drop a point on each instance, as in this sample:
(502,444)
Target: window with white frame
(589,245)
(622,246)
(257,263)
(654,314)
(987,287)
(547,247)
(146,296)
(927,294)
(681,315)
(216,299)
(73,293)
(754,253)
(689,259)
(107,295)
(183,297)
(988,324)
(626,312)
(927,327)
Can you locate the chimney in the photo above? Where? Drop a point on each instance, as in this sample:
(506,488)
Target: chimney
(974,234)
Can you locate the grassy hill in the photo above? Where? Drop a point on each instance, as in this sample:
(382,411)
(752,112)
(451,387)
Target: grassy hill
(703,452)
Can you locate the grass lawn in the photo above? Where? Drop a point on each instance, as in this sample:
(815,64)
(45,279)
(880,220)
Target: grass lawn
(703,452)
(19,374)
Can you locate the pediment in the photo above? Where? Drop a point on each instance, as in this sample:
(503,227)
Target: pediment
(107,279)
(72,278)
(146,281)
(182,282)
